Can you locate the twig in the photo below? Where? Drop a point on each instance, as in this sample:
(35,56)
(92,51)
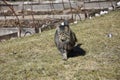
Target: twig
(18,21)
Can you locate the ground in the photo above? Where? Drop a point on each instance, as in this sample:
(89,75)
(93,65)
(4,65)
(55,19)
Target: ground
(37,58)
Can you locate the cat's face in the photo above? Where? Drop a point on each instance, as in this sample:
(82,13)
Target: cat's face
(63,33)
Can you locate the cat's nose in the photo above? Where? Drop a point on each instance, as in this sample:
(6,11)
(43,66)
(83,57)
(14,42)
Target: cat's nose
(62,40)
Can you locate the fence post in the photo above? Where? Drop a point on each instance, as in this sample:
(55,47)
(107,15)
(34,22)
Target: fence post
(63,4)
(71,9)
(79,9)
(23,10)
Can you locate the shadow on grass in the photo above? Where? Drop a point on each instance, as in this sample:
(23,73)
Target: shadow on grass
(77,51)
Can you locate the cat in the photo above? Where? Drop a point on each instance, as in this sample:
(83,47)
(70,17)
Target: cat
(65,39)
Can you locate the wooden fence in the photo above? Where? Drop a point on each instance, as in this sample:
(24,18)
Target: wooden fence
(8,36)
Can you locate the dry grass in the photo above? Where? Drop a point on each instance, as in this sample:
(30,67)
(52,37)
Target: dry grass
(36,57)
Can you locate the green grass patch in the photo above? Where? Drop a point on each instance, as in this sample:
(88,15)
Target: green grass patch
(36,57)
